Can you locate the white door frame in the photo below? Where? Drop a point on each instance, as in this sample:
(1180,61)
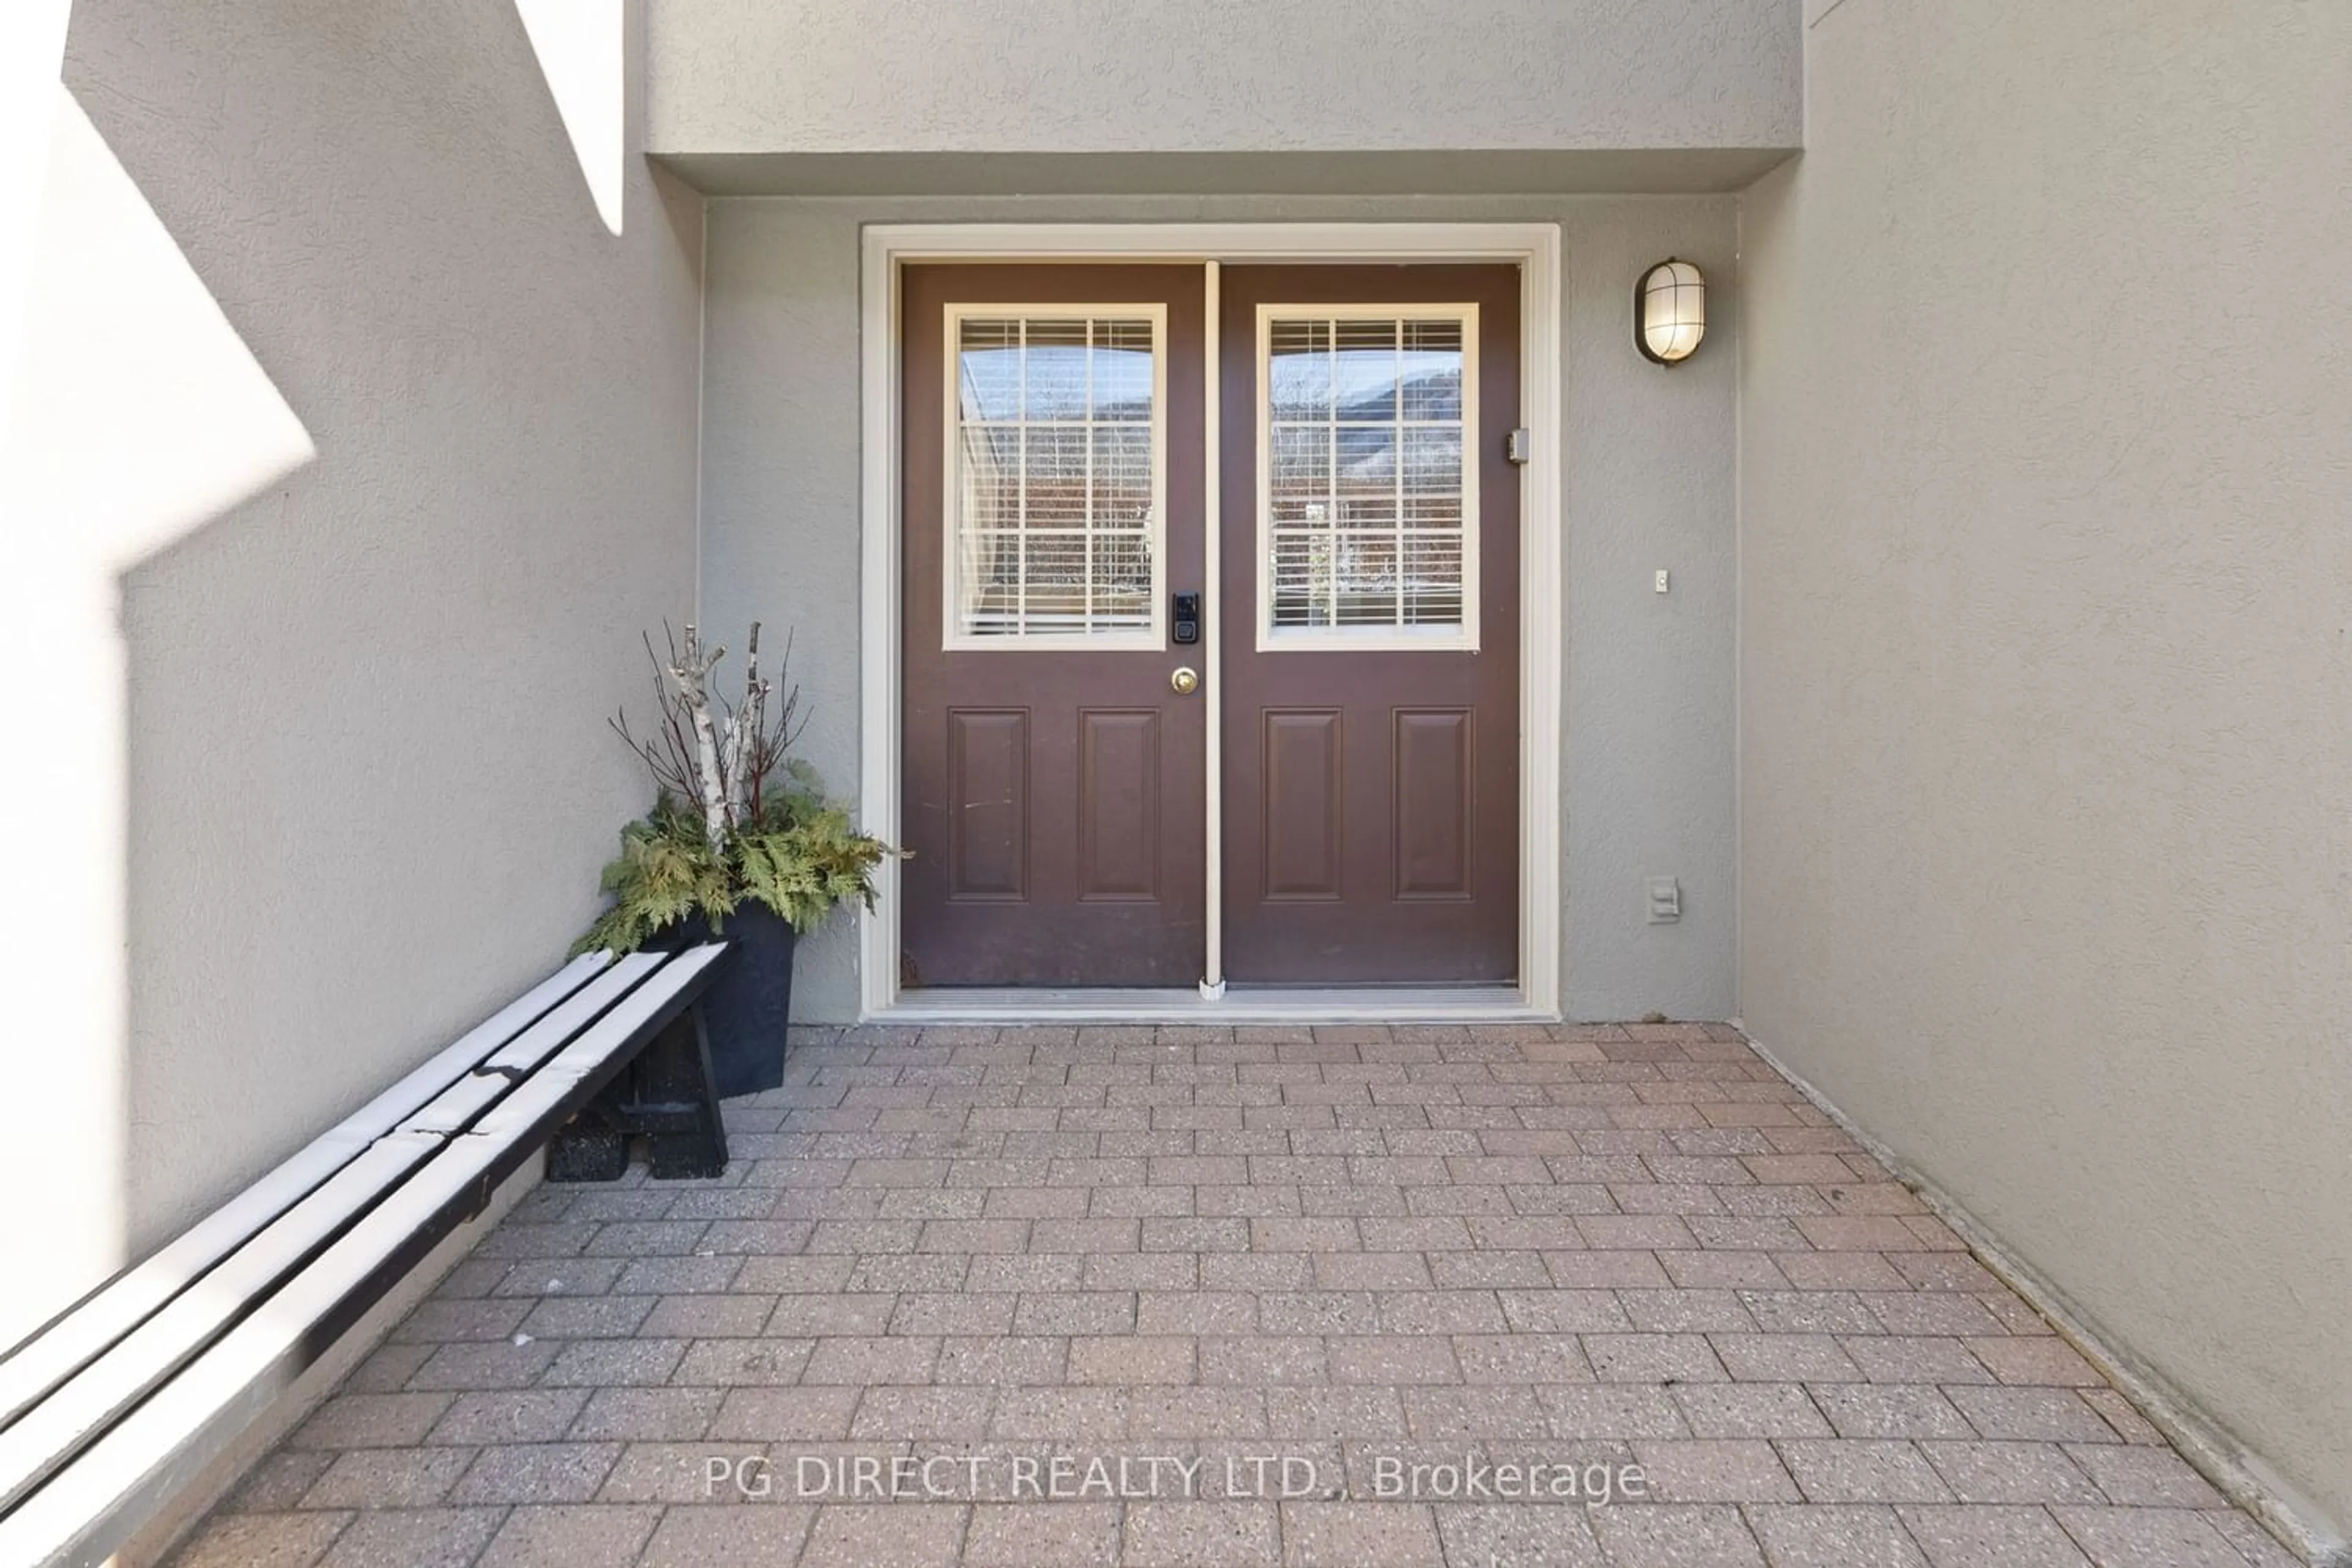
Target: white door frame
(1535,249)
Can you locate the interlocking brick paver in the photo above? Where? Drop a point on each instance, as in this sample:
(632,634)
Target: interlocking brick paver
(1131,1358)
(1840,1470)
(1614,1411)
(737,1532)
(1914,1358)
(1749,1410)
(2257,1545)
(1350,1535)
(781,1414)
(2010,1472)
(614,1363)
(2144,1476)
(1836,1536)
(2041,1361)
(1521,1358)
(437,1322)
(1349,1412)
(708,1317)
(386,1369)
(1652,1358)
(646,1414)
(1889,1410)
(501,1365)
(2029,1415)
(371,1421)
(536,1472)
(862,1360)
(509,1415)
(735,1362)
(577,1536)
(388,1477)
(277,1481)
(414,1537)
(1017,1535)
(1716,1470)
(261,1539)
(2135,1537)
(1013,1361)
(1596,1245)
(1202,1534)
(588,1317)
(1662,1535)
(1393,1360)
(1473,1415)
(1505,1535)
(1263,1361)
(1989,1537)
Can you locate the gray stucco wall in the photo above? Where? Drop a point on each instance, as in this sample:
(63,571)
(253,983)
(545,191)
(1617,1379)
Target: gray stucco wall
(1253,76)
(1649,482)
(2045,686)
(368,782)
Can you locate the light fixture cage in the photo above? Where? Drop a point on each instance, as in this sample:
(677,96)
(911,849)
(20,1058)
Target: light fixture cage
(1669,311)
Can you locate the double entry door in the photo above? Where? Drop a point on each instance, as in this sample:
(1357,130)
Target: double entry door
(1139,649)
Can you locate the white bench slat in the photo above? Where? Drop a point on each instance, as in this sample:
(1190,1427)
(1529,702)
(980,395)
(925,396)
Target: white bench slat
(545,1090)
(70,1340)
(52,1431)
(62,1422)
(467,1099)
(78,1516)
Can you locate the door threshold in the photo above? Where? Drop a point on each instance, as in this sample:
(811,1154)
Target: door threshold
(1301,1005)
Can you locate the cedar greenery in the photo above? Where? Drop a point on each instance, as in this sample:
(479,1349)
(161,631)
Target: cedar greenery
(721,831)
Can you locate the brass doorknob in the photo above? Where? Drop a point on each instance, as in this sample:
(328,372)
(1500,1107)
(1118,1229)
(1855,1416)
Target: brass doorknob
(1185,681)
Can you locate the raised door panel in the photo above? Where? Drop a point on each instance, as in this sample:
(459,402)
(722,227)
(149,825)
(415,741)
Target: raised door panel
(988,805)
(1118,806)
(1435,796)
(1301,807)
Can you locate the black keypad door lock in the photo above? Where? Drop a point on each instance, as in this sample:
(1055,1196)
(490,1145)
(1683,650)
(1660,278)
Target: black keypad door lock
(1187,619)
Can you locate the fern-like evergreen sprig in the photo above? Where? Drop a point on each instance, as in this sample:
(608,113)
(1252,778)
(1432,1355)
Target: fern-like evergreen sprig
(788,848)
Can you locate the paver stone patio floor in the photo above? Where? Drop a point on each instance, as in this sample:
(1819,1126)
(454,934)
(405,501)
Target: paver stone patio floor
(1358,1249)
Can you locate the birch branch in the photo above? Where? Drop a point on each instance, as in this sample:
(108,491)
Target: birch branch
(692,673)
(749,726)
(743,737)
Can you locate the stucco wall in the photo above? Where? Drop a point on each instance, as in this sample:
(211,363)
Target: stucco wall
(1246,76)
(342,742)
(1648,477)
(2045,684)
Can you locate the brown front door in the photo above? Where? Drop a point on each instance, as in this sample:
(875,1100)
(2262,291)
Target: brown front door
(1054,781)
(1370,625)
(1366,621)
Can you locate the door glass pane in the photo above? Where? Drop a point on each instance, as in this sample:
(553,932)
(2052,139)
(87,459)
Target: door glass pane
(1368,503)
(1054,497)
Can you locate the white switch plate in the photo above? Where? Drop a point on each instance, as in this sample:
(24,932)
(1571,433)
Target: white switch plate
(1662,579)
(1665,900)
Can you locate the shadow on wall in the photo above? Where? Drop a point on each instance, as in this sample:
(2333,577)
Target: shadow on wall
(345,429)
(188,425)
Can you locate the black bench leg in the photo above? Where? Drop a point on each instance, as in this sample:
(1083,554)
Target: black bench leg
(667,1094)
(591,1147)
(678,1102)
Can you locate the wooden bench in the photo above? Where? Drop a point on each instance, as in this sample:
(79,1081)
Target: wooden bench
(123,1400)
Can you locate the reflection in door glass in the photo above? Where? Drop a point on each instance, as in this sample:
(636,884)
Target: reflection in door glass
(1366,506)
(1054,502)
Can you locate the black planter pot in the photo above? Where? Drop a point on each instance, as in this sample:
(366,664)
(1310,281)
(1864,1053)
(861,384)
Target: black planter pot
(747,1008)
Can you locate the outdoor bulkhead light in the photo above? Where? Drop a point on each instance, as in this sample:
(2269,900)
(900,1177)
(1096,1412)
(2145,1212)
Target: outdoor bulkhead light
(1669,311)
